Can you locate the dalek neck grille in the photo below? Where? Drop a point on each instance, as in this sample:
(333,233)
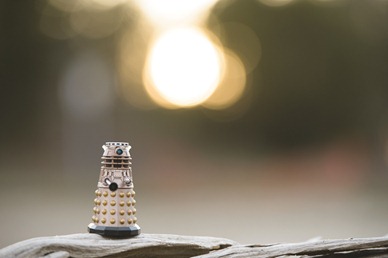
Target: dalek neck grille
(114,210)
(116,162)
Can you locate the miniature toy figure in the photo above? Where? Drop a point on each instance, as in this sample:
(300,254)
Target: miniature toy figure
(114,211)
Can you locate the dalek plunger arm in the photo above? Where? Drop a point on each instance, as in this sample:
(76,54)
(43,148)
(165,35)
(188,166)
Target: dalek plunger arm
(112,185)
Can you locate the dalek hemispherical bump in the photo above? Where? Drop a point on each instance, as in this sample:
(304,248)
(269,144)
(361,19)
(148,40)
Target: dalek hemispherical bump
(114,189)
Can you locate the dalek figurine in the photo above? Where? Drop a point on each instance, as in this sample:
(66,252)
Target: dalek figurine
(114,211)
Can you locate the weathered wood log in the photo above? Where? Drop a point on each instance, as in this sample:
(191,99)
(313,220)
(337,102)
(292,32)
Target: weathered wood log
(352,247)
(93,245)
(159,245)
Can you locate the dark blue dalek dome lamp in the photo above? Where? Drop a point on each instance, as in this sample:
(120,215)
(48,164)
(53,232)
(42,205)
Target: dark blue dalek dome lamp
(114,210)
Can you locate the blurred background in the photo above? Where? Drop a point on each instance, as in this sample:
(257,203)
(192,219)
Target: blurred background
(256,120)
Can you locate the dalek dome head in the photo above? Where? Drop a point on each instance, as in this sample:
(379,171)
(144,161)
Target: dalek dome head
(116,149)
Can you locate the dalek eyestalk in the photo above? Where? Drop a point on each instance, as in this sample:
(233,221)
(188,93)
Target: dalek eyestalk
(114,210)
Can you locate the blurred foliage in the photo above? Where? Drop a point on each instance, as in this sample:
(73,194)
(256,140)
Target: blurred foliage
(322,75)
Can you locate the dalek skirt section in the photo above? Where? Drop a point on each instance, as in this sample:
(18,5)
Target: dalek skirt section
(114,210)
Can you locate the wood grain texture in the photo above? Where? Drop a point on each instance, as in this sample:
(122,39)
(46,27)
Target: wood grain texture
(93,245)
(162,245)
(353,247)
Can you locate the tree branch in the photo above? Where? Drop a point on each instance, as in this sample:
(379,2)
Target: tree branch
(161,245)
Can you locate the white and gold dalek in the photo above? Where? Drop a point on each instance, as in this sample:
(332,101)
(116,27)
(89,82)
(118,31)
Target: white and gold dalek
(114,210)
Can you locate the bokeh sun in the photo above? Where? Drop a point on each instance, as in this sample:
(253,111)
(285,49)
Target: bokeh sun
(183,68)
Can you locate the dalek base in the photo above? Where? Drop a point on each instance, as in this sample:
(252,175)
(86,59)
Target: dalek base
(118,232)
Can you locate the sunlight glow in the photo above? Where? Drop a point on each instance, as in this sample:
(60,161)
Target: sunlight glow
(167,12)
(183,68)
(232,86)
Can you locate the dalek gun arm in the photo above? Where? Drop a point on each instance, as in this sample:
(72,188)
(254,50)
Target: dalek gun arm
(127,181)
